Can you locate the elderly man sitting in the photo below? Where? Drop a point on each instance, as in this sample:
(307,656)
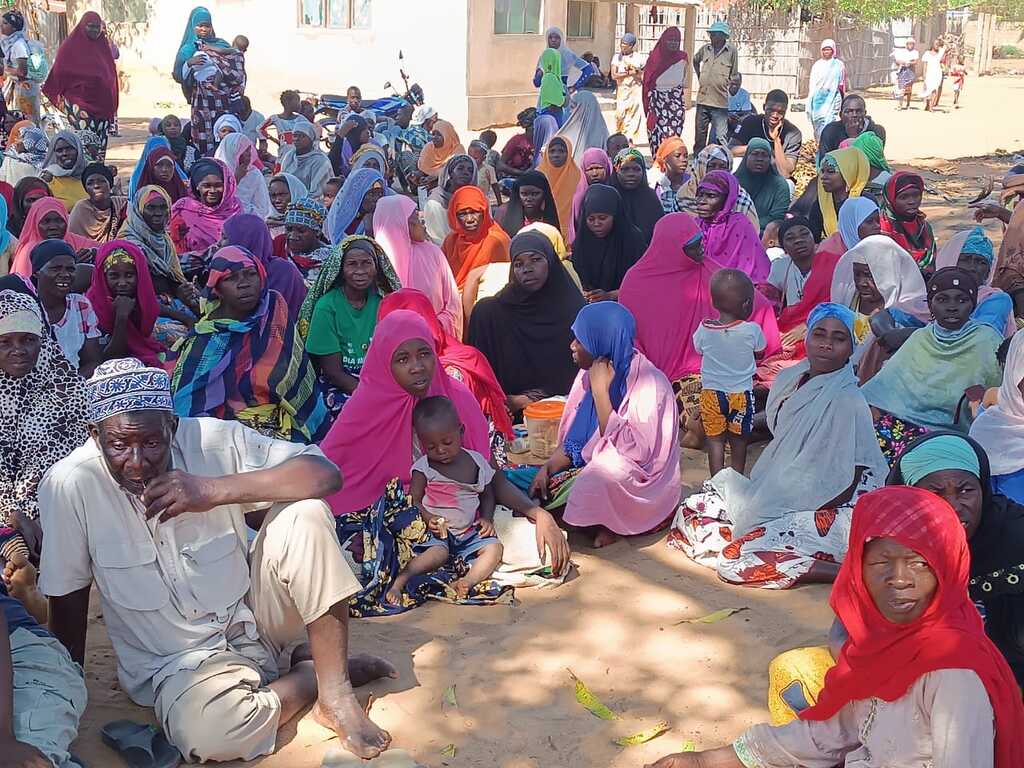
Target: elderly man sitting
(227,642)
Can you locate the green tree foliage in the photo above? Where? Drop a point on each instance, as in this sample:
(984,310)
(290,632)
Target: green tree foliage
(871,11)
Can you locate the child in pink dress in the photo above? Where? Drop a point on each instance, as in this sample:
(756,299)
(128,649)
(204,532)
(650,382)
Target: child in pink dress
(453,488)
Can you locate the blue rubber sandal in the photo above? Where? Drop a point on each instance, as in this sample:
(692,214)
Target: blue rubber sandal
(140,745)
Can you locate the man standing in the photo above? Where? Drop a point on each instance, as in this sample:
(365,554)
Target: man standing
(226,641)
(785,138)
(715,64)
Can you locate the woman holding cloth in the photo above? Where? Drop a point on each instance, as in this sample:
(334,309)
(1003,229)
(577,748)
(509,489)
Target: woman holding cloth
(627,72)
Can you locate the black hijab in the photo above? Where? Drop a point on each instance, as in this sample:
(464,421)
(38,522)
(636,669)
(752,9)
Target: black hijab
(997,559)
(514,220)
(524,335)
(643,207)
(601,263)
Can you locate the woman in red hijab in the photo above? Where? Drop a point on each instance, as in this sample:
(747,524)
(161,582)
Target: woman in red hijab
(83,79)
(664,78)
(917,681)
(476,239)
(461,361)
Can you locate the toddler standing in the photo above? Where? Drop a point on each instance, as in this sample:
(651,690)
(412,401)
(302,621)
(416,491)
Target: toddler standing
(453,488)
(729,345)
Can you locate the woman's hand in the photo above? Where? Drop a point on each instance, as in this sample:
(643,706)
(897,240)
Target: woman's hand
(123,307)
(550,538)
(86,256)
(243,165)
(984,211)
(601,374)
(539,486)
(188,294)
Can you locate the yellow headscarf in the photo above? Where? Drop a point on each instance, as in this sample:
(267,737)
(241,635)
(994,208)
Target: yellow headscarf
(854,166)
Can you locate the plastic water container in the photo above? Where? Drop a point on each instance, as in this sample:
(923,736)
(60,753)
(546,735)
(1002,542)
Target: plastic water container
(542,419)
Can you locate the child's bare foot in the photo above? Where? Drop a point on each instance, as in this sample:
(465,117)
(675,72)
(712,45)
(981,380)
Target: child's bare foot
(462,587)
(364,668)
(20,579)
(357,732)
(603,538)
(394,595)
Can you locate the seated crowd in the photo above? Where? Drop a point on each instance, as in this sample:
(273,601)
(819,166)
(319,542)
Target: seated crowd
(373,362)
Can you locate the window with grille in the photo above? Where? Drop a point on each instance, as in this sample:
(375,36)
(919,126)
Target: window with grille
(335,14)
(581,19)
(517,17)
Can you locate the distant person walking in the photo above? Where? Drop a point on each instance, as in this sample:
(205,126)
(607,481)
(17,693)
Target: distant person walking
(933,74)
(628,72)
(828,86)
(21,87)
(906,72)
(715,65)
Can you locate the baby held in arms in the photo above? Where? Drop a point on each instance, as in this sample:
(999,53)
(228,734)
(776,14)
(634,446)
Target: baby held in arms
(453,489)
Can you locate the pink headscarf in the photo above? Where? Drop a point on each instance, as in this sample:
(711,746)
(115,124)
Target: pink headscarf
(31,236)
(194,225)
(669,294)
(422,266)
(729,238)
(139,338)
(592,156)
(371,442)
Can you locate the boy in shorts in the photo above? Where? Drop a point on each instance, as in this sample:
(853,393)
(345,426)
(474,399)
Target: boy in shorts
(729,345)
(453,488)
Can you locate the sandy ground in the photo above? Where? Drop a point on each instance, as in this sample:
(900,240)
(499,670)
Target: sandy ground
(614,623)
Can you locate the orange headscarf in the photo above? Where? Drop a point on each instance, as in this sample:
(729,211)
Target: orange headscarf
(432,159)
(666,148)
(563,183)
(465,252)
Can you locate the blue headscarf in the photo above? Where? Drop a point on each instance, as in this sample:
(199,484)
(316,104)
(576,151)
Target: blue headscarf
(190,42)
(346,205)
(5,235)
(978,243)
(605,329)
(937,454)
(852,214)
(151,144)
(829,309)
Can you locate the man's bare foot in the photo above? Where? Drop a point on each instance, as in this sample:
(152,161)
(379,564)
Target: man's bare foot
(364,668)
(20,579)
(356,731)
(462,587)
(603,538)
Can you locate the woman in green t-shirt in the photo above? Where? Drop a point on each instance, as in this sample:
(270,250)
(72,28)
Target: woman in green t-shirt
(340,312)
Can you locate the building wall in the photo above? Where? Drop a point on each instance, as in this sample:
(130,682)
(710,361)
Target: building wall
(284,55)
(501,67)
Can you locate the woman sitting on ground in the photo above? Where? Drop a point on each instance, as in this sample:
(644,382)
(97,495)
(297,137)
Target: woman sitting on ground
(244,359)
(524,331)
(125,303)
(304,160)
(352,210)
(641,203)
(903,220)
(27,192)
(595,168)
(340,312)
(419,264)
(249,232)
(843,174)
(729,239)
(713,157)
(47,220)
(100,215)
(957,469)
(70,315)
(159,165)
(923,385)
(240,157)
(444,145)
(197,222)
(616,467)
(1000,427)
(917,682)
(563,177)
(607,244)
(788,523)
(475,239)
(304,242)
(372,443)
(458,172)
(63,166)
(531,201)
(765,185)
(184,150)
(283,189)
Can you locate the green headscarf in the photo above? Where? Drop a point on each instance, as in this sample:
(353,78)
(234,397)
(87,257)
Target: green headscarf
(869,143)
(552,91)
(937,454)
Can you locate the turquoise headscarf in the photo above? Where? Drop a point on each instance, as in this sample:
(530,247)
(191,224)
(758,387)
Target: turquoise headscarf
(5,235)
(978,243)
(828,309)
(190,42)
(937,454)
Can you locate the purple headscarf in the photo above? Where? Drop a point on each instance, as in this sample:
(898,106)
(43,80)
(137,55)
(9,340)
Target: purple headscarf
(730,239)
(250,232)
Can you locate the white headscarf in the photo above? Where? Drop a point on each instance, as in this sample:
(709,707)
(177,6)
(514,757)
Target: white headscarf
(896,274)
(572,65)
(313,168)
(252,189)
(1000,429)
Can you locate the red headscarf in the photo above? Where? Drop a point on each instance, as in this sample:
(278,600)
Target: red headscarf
(84,72)
(466,252)
(475,372)
(658,62)
(371,442)
(176,188)
(139,341)
(882,659)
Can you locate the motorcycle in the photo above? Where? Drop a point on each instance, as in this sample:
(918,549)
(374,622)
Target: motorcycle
(330,105)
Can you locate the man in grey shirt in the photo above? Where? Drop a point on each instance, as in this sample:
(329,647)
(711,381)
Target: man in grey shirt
(715,65)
